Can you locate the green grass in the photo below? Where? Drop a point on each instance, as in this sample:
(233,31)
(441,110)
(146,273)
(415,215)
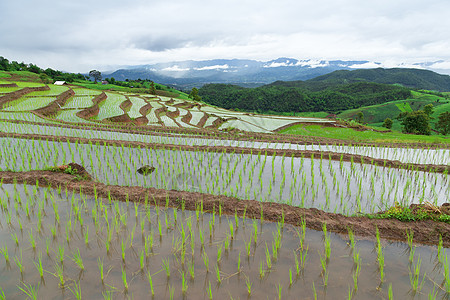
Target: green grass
(362,136)
(375,115)
(3,74)
(405,214)
(404,107)
(103,87)
(320,114)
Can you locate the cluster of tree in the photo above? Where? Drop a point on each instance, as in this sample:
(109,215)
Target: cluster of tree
(46,75)
(418,122)
(303,97)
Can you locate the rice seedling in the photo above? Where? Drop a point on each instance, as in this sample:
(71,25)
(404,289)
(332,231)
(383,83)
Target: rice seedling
(205,261)
(249,285)
(61,254)
(76,290)
(150,281)
(29,290)
(279,288)
(59,274)
(124,279)
(39,266)
(380,256)
(209,291)
(184,285)
(78,260)
(100,267)
(218,277)
(19,263)
(166,266)
(414,276)
(32,240)
(4,251)
(446,275)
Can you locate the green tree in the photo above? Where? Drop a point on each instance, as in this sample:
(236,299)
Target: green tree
(443,124)
(387,123)
(428,109)
(359,117)
(416,122)
(152,88)
(96,75)
(44,78)
(194,94)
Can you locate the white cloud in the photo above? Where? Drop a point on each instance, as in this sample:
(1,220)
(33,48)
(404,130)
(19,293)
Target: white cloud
(367,65)
(443,65)
(278,64)
(215,67)
(312,63)
(175,68)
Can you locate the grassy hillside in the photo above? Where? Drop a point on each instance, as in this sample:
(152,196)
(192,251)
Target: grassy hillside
(376,114)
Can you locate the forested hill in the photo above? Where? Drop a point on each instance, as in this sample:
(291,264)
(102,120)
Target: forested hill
(412,78)
(301,96)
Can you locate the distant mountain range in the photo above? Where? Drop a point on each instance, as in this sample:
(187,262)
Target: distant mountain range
(247,73)
(410,78)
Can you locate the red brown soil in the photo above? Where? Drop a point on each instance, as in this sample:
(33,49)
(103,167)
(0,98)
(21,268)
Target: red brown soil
(187,118)
(219,121)
(252,151)
(126,105)
(145,110)
(158,112)
(140,121)
(8,85)
(203,120)
(425,232)
(125,118)
(173,114)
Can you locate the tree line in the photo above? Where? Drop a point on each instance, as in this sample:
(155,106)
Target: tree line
(45,75)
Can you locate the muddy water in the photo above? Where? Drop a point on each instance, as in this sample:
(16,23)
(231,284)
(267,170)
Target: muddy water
(333,186)
(404,155)
(125,229)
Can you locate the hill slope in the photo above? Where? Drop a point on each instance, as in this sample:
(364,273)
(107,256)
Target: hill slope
(412,78)
(331,98)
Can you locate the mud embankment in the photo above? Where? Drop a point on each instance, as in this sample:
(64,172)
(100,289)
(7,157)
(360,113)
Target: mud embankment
(158,113)
(8,85)
(146,109)
(53,108)
(93,110)
(203,120)
(20,93)
(187,118)
(425,232)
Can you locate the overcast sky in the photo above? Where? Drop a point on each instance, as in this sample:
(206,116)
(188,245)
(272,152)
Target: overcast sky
(81,35)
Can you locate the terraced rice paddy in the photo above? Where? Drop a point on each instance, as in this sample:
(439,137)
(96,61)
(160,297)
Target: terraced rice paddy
(127,235)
